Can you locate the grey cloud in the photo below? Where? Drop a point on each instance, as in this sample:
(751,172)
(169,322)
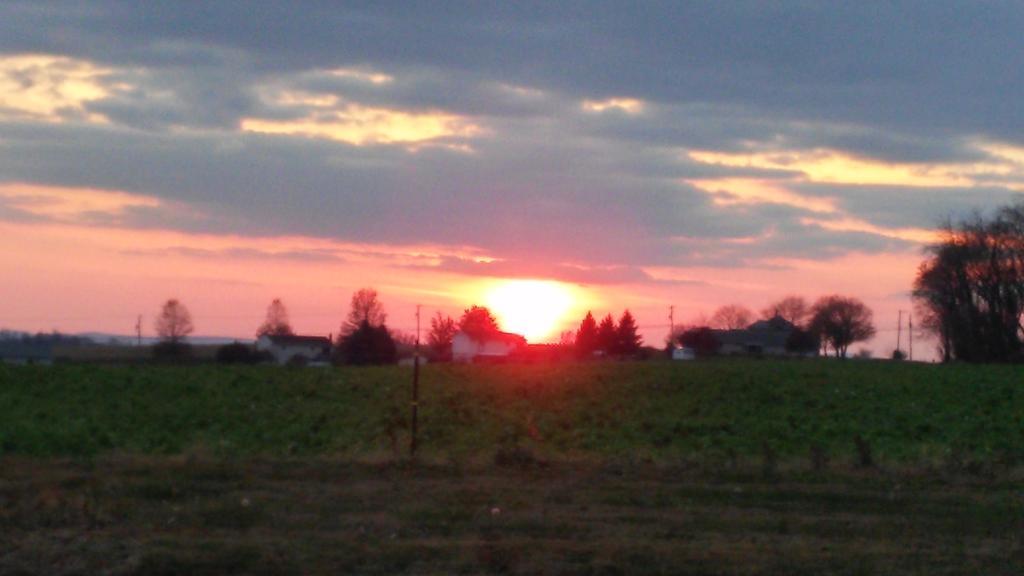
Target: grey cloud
(910,207)
(547,182)
(928,67)
(240,253)
(525,197)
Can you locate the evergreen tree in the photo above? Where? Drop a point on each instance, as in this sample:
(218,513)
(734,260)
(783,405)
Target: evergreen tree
(368,344)
(607,335)
(586,337)
(628,339)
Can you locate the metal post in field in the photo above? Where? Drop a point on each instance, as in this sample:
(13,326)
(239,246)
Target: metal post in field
(910,329)
(415,385)
(899,329)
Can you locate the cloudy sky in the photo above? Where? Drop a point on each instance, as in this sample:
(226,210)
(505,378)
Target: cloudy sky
(646,154)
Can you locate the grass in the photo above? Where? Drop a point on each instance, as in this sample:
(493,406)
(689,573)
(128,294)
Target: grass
(771,411)
(723,467)
(187,515)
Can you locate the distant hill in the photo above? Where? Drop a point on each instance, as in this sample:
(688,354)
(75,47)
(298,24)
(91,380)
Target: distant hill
(15,344)
(123,340)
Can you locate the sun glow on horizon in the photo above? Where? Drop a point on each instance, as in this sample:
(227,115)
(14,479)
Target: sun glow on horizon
(534,309)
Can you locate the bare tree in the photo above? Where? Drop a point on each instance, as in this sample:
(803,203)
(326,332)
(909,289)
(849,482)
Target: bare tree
(793,309)
(364,309)
(174,322)
(840,321)
(442,330)
(276,323)
(970,292)
(732,317)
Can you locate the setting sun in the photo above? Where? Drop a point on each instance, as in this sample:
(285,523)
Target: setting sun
(533,308)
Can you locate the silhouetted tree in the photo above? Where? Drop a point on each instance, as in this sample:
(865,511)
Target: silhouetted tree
(364,308)
(793,309)
(586,337)
(276,323)
(701,339)
(628,340)
(478,322)
(367,344)
(442,330)
(174,322)
(607,335)
(840,321)
(732,317)
(970,292)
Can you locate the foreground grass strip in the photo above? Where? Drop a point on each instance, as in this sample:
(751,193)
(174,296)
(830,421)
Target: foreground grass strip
(130,515)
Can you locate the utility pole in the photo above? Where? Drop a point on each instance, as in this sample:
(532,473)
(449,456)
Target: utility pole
(671,323)
(138,330)
(910,330)
(415,385)
(899,330)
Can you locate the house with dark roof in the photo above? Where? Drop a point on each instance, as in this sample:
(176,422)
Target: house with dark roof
(296,349)
(765,337)
(491,347)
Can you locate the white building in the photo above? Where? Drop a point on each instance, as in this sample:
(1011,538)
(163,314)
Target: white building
(684,353)
(490,347)
(296,349)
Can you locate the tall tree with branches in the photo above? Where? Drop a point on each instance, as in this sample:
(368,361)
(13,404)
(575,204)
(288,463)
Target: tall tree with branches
(276,322)
(365,308)
(840,321)
(732,317)
(174,323)
(439,339)
(794,309)
(970,292)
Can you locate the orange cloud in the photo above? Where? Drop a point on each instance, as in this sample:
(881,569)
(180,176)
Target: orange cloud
(329,116)
(738,191)
(71,204)
(627,105)
(49,88)
(918,235)
(833,167)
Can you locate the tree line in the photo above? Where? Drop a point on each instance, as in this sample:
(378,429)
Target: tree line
(363,337)
(830,325)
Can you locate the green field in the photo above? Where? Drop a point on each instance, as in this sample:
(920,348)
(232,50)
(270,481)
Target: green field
(703,411)
(713,468)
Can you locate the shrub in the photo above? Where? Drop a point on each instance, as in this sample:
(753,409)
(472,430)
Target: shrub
(172,351)
(238,353)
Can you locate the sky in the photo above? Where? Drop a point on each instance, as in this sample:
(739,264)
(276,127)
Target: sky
(639,155)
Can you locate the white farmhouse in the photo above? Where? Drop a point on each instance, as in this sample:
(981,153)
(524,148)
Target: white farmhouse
(296,349)
(484,348)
